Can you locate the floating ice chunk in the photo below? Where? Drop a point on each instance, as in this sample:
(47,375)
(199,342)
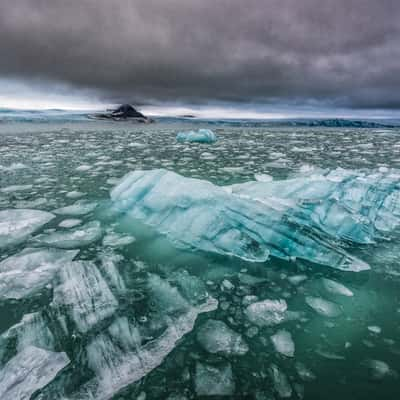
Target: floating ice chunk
(263,178)
(31,270)
(15,188)
(323,307)
(217,337)
(70,223)
(77,209)
(79,237)
(267,312)
(297,279)
(304,372)
(375,329)
(84,294)
(30,370)
(109,267)
(283,343)
(31,331)
(201,136)
(84,167)
(13,167)
(114,239)
(214,380)
(74,194)
(118,357)
(197,214)
(377,369)
(281,383)
(336,287)
(17,225)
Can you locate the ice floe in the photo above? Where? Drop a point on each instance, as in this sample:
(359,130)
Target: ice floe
(283,343)
(267,312)
(324,307)
(216,337)
(31,270)
(16,225)
(30,370)
(214,380)
(82,236)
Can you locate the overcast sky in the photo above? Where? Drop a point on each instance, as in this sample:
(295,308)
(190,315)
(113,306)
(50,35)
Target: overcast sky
(334,54)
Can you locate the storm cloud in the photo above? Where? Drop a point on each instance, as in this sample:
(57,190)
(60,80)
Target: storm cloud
(335,52)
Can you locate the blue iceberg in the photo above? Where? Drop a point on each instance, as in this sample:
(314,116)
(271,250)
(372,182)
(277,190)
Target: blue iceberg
(314,218)
(200,136)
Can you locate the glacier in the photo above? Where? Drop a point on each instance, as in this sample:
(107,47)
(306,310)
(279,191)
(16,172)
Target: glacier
(200,136)
(312,217)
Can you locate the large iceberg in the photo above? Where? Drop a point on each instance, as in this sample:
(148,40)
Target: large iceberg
(312,218)
(200,136)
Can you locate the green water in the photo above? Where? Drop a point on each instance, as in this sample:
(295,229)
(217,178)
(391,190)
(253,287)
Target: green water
(51,161)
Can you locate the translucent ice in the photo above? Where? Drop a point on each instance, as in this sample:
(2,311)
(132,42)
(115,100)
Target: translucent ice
(84,294)
(283,343)
(197,214)
(17,225)
(214,380)
(336,287)
(119,356)
(217,337)
(323,307)
(201,136)
(28,371)
(31,270)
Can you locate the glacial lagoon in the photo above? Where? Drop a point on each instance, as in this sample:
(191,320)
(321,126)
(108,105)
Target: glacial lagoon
(264,265)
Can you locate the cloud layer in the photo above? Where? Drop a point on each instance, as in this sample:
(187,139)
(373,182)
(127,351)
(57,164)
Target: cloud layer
(334,52)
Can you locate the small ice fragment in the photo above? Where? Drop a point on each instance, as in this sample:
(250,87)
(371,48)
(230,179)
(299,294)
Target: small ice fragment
(267,312)
(283,343)
(114,239)
(216,337)
(74,194)
(84,168)
(213,380)
(263,178)
(336,287)
(69,223)
(323,307)
(77,209)
(15,188)
(297,279)
(375,329)
(78,237)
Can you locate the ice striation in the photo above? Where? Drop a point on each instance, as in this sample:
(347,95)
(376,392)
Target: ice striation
(312,219)
(16,225)
(119,356)
(200,136)
(30,370)
(216,337)
(31,270)
(84,295)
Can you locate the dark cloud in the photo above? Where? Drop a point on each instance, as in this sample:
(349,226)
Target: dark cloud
(339,52)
